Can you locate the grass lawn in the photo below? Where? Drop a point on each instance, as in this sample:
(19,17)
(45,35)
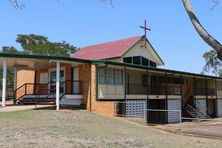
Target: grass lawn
(49,128)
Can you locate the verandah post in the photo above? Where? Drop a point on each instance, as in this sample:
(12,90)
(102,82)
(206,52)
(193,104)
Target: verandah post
(15,85)
(126,85)
(166,102)
(216,99)
(4,82)
(147,99)
(57,84)
(206,89)
(195,93)
(181,95)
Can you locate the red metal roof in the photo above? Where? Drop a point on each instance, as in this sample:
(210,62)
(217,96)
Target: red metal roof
(106,50)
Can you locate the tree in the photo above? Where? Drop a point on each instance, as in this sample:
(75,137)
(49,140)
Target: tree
(10,50)
(16,4)
(39,45)
(211,41)
(10,72)
(213,64)
(36,45)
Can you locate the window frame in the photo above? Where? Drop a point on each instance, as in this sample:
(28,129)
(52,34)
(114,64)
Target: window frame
(110,74)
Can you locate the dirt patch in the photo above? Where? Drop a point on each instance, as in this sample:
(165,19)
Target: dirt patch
(210,129)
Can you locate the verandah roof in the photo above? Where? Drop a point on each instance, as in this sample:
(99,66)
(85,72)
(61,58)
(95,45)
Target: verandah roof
(38,59)
(155,69)
(35,61)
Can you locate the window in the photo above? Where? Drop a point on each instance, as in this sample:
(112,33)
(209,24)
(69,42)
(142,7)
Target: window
(219,85)
(110,76)
(53,81)
(102,75)
(128,60)
(118,77)
(139,60)
(152,64)
(145,62)
(136,60)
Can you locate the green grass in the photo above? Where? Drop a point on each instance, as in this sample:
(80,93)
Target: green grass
(17,115)
(49,128)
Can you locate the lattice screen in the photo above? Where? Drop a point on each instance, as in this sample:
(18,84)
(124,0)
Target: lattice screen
(136,108)
(201,106)
(219,107)
(174,116)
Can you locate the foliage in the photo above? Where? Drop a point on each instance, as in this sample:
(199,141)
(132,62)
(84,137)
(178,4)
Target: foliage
(10,50)
(213,64)
(36,45)
(39,45)
(10,72)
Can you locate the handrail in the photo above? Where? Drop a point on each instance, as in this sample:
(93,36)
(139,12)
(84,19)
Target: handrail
(54,89)
(197,103)
(37,88)
(25,85)
(195,113)
(15,93)
(134,88)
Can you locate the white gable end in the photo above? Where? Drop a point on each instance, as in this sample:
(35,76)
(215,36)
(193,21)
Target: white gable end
(147,52)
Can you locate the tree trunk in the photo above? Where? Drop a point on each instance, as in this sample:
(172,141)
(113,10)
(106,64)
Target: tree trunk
(201,31)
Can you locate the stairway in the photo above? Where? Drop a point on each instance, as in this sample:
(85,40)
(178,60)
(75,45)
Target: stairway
(195,113)
(71,100)
(32,99)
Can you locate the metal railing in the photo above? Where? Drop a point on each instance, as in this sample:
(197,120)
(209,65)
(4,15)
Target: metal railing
(195,113)
(48,89)
(139,89)
(204,91)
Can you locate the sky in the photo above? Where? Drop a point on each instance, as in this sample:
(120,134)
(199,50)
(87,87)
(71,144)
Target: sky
(87,22)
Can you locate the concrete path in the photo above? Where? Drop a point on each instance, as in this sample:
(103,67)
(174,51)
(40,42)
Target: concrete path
(22,107)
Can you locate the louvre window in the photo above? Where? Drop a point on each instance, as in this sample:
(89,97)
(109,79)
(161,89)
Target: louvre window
(128,60)
(137,60)
(145,62)
(110,76)
(219,85)
(152,64)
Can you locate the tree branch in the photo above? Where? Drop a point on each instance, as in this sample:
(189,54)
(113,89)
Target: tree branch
(16,4)
(216,2)
(211,41)
(107,1)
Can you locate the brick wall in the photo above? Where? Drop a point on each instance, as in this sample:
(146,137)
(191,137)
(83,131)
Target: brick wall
(101,107)
(24,76)
(68,75)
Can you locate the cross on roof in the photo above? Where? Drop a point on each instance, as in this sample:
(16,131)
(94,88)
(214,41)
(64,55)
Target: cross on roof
(145,30)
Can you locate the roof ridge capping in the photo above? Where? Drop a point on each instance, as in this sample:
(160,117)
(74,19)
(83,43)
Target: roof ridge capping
(114,41)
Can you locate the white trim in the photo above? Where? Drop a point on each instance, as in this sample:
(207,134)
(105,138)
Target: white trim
(4,76)
(57,84)
(54,70)
(15,78)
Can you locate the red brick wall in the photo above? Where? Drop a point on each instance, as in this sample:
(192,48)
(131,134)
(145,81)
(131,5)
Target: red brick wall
(101,107)
(68,75)
(24,76)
